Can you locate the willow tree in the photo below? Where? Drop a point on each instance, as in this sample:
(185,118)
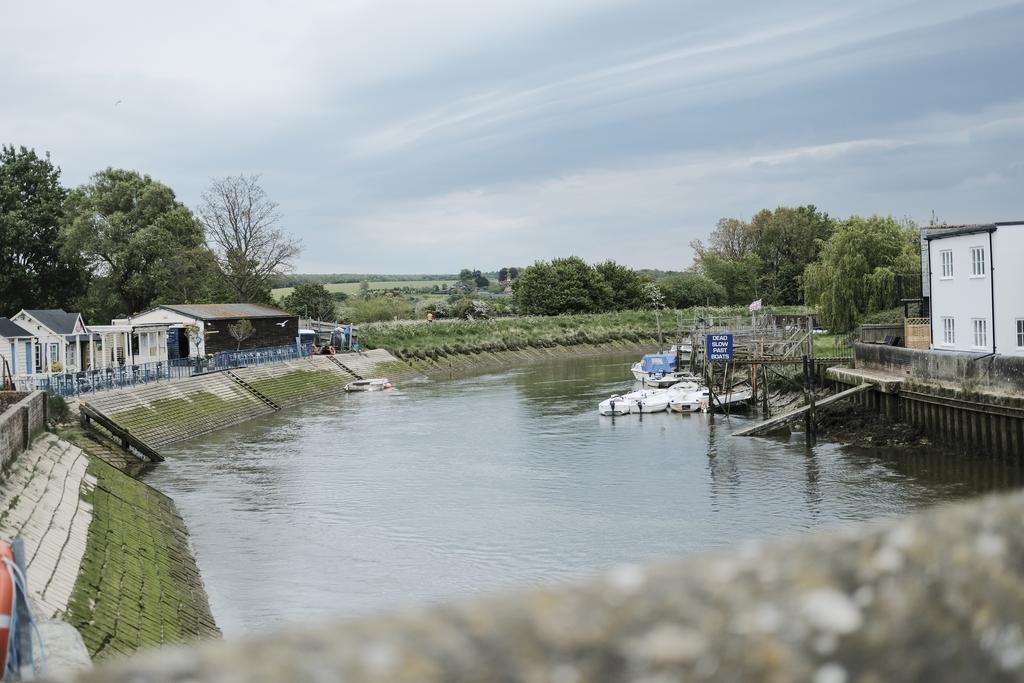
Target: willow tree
(855,273)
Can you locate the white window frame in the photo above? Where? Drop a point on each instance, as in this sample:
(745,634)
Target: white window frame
(980,325)
(1020,333)
(946,259)
(948,331)
(978,267)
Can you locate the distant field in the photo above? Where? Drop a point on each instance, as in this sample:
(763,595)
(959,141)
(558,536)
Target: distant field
(351,288)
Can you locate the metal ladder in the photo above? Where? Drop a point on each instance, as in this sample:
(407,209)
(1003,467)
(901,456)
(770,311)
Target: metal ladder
(344,367)
(251,389)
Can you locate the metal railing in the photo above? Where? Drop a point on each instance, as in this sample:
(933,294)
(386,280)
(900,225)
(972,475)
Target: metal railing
(124,376)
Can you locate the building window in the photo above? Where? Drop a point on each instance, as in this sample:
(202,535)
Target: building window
(1020,333)
(980,333)
(948,332)
(977,261)
(947,263)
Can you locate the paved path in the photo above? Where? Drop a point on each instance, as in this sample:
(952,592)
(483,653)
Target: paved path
(41,501)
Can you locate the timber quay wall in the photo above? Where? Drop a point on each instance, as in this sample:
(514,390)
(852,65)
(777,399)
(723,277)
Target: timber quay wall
(158,415)
(974,403)
(930,597)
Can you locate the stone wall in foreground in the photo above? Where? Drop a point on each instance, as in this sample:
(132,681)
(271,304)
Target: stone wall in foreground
(932,597)
(22,417)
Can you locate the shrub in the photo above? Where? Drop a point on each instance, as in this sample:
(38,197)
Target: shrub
(57,409)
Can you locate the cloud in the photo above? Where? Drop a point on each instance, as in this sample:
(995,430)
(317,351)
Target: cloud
(645,214)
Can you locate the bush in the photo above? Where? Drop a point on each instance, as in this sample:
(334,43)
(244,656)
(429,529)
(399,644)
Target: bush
(57,409)
(381,308)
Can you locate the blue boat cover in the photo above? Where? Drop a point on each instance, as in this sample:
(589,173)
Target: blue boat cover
(658,362)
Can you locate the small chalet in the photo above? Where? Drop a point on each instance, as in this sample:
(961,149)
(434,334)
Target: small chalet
(15,348)
(202,329)
(60,341)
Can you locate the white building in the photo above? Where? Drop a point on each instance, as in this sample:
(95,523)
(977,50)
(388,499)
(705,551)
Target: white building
(976,287)
(61,341)
(16,348)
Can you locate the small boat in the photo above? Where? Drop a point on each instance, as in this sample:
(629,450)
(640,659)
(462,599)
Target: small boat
(671,379)
(699,400)
(653,367)
(378,384)
(615,406)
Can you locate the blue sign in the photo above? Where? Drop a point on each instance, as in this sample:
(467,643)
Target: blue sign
(719,346)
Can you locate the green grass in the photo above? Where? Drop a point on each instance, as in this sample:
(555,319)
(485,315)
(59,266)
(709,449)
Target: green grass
(352,288)
(830,345)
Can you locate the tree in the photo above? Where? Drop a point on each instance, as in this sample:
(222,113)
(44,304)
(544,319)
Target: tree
(466,279)
(513,273)
(732,239)
(566,285)
(503,275)
(133,236)
(625,286)
(738,278)
(243,227)
(241,331)
(311,300)
(692,289)
(787,240)
(34,273)
(480,280)
(856,272)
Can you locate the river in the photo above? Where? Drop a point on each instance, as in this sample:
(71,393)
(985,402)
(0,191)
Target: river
(450,488)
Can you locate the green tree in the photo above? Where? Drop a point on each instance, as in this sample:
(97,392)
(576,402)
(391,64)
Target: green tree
(480,280)
(625,286)
(311,300)
(241,331)
(786,241)
(34,273)
(856,272)
(692,289)
(133,235)
(566,285)
(738,278)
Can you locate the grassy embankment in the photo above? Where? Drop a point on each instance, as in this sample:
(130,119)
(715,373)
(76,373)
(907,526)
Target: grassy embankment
(454,337)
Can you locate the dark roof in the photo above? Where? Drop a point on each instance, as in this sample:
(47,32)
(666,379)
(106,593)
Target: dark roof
(12,329)
(57,319)
(227,311)
(933,232)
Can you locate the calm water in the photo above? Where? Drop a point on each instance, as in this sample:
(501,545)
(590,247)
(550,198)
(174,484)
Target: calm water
(378,501)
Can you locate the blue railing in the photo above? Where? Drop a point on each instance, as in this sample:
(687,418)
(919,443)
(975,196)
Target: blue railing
(90,381)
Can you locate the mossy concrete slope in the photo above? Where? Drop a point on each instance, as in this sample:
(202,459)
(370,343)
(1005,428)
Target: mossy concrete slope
(160,414)
(139,584)
(291,383)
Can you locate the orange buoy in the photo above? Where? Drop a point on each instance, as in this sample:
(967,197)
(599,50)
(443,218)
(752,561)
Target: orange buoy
(6,603)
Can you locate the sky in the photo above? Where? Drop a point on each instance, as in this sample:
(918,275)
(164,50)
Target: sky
(415,137)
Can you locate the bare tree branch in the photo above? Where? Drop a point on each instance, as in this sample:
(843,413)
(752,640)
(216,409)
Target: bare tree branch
(242,226)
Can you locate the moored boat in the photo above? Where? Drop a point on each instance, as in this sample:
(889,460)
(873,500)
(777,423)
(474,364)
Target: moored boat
(699,400)
(615,406)
(377,384)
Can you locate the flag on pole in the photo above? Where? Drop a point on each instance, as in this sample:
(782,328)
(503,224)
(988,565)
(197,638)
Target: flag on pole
(756,306)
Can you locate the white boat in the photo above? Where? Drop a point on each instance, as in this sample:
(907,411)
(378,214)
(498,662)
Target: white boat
(615,406)
(378,384)
(670,380)
(699,400)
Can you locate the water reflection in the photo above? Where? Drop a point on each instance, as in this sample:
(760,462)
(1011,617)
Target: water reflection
(377,501)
